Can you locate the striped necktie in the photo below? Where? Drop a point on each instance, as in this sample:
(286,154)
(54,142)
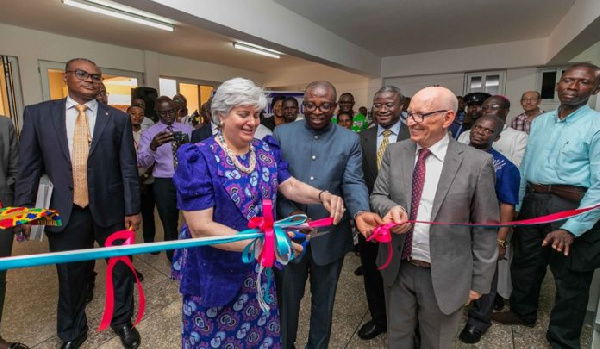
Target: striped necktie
(383,146)
(79,158)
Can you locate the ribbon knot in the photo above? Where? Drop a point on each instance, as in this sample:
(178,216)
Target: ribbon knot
(383,235)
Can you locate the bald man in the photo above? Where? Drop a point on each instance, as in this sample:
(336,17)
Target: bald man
(435,269)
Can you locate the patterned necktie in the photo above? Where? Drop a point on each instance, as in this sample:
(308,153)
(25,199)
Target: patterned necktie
(418,181)
(173,148)
(383,146)
(79,158)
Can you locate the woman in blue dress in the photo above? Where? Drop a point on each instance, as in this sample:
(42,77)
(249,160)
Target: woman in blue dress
(221,183)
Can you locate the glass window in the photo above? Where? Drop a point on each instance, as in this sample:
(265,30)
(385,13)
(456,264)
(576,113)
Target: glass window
(548,84)
(490,82)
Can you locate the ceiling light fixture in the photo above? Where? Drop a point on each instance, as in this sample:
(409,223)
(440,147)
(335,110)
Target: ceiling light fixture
(121,12)
(259,50)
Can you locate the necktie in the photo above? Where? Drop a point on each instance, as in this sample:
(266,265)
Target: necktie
(383,146)
(418,181)
(173,148)
(81,148)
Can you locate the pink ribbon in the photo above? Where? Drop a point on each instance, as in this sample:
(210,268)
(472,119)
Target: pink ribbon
(383,235)
(382,232)
(128,236)
(265,224)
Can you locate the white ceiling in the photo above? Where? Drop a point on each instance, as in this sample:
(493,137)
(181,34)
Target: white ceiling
(186,41)
(384,27)
(400,27)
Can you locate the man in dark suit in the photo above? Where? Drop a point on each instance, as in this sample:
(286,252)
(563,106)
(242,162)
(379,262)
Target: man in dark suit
(326,156)
(435,269)
(72,140)
(387,107)
(9,156)
(200,134)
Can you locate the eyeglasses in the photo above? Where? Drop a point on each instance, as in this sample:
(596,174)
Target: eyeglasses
(387,105)
(420,117)
(324,108)
(529,99)
(491,107)
(487,131)
(83,75)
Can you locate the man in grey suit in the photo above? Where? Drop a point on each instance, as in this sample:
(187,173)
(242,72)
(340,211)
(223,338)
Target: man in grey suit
(387,108)
(436,269)
(328,157)
(73,140)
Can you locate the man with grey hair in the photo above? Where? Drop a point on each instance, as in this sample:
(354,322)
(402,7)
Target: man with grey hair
(326,156)
(435,269)
(387,108)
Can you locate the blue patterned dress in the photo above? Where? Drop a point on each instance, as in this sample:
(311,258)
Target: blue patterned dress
(220,309)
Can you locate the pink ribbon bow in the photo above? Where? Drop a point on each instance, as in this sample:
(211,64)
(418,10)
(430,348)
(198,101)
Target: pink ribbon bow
(265,224)
(128,236)
(383,235)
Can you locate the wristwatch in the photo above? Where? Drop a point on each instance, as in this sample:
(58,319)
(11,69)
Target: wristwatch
(502,243)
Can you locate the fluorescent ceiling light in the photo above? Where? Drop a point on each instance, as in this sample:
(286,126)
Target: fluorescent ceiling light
(122,12)
(259,50)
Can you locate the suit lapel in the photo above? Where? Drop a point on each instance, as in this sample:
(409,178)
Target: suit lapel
(452,163)
(404,133)
(102,118)
(408,161)
(371,151)
(58,114)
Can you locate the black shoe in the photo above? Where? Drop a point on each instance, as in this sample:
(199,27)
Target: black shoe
(74,344)
(510,318)
(140,276)
(130,337)
(370,330)
(498,303)
(470,334)
(358,271)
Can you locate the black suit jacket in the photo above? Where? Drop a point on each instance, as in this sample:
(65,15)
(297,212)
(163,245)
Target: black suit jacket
(113,183)
(202,133)
(368,141)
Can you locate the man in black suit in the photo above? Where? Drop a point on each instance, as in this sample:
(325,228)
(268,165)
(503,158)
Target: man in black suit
(387,108)
(72,140)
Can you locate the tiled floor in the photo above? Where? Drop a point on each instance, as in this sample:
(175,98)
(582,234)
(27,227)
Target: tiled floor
(30,310)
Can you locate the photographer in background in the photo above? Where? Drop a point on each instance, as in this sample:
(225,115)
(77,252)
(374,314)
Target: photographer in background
(158,147)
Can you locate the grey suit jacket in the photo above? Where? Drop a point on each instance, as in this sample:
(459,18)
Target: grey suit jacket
(329,159)
(462,258)
(9,156)
(113,182)
(368,141)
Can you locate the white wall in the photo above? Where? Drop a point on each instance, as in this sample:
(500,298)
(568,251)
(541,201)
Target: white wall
(30,46)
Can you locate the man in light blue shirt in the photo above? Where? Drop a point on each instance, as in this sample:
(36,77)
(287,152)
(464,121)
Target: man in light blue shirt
(561,171)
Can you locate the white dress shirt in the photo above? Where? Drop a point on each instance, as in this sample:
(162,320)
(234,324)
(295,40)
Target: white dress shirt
(393,137)
(433,170)
(91,112)
(511,143)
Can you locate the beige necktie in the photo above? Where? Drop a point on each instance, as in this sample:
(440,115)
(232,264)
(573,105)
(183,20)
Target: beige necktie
(383,146)
(79,158)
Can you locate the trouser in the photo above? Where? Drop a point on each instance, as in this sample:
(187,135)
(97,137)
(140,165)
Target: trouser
(530,261)
(373,281)
(6,241)
(166,204)
(480,313)
(412,306)
(80,233)
(323,286)
(148,204)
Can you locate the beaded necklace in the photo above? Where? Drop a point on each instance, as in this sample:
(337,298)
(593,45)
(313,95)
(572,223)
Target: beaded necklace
(234,159)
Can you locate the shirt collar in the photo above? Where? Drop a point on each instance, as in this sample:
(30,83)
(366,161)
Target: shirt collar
(91,104)
(439,149)
(573,116)
(395,129)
